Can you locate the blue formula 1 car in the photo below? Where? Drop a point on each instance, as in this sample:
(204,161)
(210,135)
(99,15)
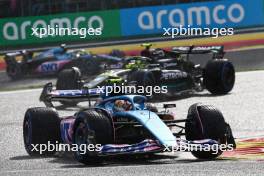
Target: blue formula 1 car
(54,60)
(124,125)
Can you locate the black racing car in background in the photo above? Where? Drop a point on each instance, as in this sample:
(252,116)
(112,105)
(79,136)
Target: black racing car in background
(54,60)
(178,73)
(181,74)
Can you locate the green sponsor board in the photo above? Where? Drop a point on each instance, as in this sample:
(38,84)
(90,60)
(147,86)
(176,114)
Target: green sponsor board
(18,31)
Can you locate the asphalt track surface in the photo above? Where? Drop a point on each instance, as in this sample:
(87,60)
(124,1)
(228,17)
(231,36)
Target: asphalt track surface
(242,108)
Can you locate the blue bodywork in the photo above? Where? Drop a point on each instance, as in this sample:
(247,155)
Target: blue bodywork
(139,113)
(57,53)
(163,136)
(55,59)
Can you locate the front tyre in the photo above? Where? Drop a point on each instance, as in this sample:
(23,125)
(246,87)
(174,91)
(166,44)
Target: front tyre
(219,76)
(206,122)
(41,126)
(91,128)
(69,79)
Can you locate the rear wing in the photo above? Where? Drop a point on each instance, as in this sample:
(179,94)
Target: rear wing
(50,95)
(14,54)
(10,58)
(217,51)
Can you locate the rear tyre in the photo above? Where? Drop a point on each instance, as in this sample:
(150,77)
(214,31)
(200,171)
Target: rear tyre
(91,128)
(41,126)
(69,79)
(205,122)
(13,69)
(219,76)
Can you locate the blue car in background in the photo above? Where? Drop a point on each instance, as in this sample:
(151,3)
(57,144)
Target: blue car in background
(52,61)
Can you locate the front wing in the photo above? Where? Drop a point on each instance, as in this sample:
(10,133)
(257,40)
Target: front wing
(50,95)
(153,146)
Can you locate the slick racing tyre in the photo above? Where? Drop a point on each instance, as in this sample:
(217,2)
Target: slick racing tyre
(41,126)
(91,128)
(13,69)
(69,79)
(205,122)
(219,76)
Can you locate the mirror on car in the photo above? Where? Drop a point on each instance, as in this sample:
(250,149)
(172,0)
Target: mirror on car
(166,106)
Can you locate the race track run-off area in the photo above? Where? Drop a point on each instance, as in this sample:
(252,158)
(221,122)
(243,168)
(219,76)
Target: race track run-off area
(243,109)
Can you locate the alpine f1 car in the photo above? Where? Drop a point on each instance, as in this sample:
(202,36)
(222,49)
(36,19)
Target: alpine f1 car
(55,60)
(179,74)
(124,125)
